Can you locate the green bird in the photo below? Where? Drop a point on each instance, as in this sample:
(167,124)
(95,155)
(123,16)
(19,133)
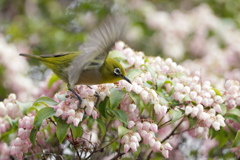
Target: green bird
(90,65)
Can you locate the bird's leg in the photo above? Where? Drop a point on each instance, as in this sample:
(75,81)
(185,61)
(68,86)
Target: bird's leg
(96,95)
(78,97)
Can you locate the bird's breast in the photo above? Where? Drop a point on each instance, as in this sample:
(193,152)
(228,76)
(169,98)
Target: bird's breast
(90,77)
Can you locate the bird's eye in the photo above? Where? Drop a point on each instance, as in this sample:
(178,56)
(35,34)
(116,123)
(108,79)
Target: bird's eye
(117,72)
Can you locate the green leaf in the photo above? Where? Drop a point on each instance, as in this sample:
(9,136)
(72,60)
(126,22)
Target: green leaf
(54,78)
(102,107)
(61,97)
(132,73)
(135,97)
(175,115)
(45,100)
(76,131)
(151,70)
(168,81)
(116,97)
(116,54)
(233,114)
(24,106)
(221,136)
(187,98)
(61,129)
(41,115)
(102,126)
(120,115)
(217,91)
(122,131)
(236,142)
(32,136)
(192,122)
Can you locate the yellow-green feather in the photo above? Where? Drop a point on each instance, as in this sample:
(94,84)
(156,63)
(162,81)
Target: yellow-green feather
(107,71)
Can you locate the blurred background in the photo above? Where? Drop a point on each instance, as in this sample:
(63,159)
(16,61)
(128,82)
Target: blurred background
(201,35)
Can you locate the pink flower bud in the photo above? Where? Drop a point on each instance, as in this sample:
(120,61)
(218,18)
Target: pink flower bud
(205,102)
(156,146)
(133,146)
(76,121)
(198,99)
(126,148)
(12,97)
(136,88)
(125,139)
(73,106)
(186,90)
(165,153)
(139,126)
(216,125)
(212,112)
(79,115)
(204,116)
(198,88)
(131,124)
(70,119)
(217,108)
(71,112)
(59,112)
(2,109)
(143,133)
(146,125)
(194,112)
(209,122)
(157,108)
(218,99)
(154,127)
(188,110)
(144,96)
(178,87)
(193,95)
(94,114)
(137,135)
(119,45)
(165,69)
(134,139)
(167,146)
(152,142)
(132,107)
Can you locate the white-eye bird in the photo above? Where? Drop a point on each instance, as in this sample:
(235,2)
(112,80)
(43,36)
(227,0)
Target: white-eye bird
(90,65)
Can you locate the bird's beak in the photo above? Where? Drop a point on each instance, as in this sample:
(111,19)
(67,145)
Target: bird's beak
(125,78)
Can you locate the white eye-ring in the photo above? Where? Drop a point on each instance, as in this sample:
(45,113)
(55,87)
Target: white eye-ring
(117,71)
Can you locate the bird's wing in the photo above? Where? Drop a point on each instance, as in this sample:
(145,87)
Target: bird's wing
(97,47)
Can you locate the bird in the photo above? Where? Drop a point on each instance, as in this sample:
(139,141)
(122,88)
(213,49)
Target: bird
(91,64)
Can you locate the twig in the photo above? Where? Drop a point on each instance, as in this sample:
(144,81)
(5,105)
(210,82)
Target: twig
(79,156)
(172,133)
(101,148)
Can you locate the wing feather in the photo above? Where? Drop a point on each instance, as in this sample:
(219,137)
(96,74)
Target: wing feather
(97,47)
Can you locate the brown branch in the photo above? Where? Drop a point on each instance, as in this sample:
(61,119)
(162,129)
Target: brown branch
(97,150)
(172,133)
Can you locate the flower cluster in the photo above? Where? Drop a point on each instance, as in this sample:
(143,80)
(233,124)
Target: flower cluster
(69,110)
(131,141)
(8,108)
(159,89)
(21,144)
(232,94)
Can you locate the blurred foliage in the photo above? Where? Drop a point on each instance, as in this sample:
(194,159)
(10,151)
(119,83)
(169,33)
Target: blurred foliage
(49,27)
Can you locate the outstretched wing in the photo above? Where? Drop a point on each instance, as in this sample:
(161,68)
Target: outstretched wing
(97,47)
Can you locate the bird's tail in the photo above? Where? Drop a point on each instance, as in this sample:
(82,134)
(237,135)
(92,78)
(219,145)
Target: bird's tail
(29,56)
